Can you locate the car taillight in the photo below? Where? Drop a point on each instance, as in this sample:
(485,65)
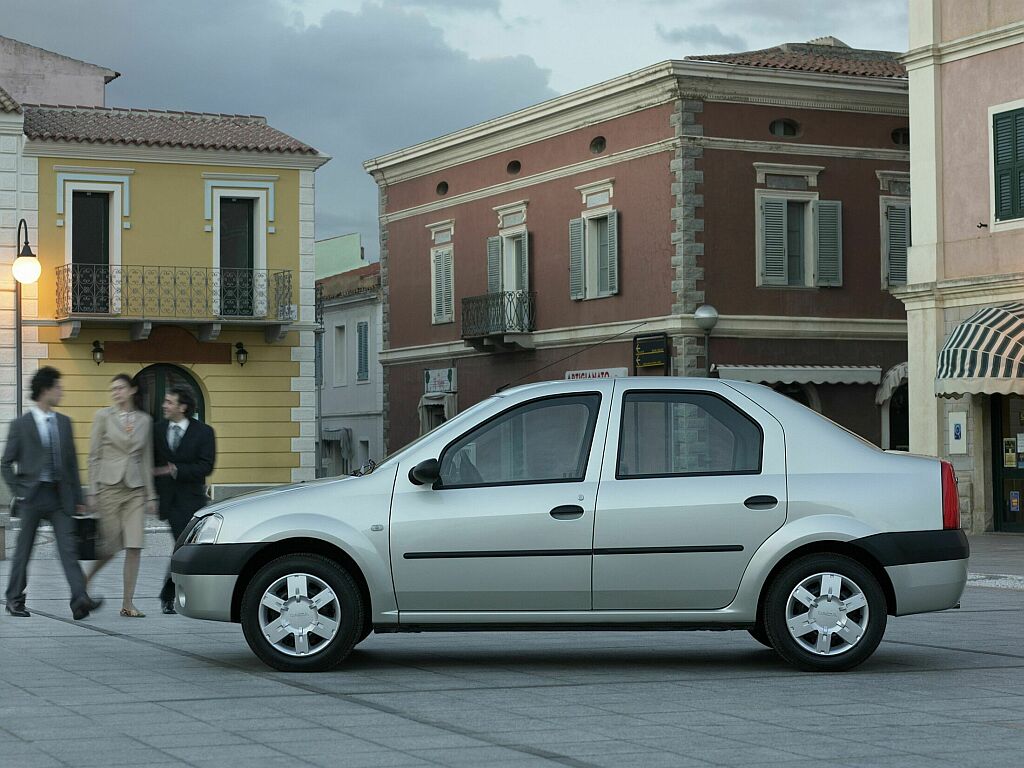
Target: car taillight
(950,498)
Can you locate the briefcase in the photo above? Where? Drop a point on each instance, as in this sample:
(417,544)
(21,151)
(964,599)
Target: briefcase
(86,537)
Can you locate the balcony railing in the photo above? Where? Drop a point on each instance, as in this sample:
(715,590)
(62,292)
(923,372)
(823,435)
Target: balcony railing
(495,314)
(185,293)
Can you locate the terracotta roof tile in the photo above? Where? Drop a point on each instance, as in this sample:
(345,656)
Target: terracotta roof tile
(365,279)
(829,58)
(7,102)
(157,128)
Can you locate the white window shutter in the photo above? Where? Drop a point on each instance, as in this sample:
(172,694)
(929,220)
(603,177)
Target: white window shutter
(493,264)
(613,252)
(577,287)
(897,229)
(448,284)
(828,227)
(523,266)
(773,239)
(437,284)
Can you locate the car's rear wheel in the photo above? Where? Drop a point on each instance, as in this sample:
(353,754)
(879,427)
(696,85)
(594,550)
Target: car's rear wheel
(302,613)
(825,613)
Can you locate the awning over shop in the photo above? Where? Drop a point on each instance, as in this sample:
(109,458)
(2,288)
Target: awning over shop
(984,354)
(802,374)
(341,435)
(894,378)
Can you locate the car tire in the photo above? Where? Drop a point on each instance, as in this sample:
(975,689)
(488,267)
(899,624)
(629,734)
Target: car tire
(825,613)
(302,613)
(758,633)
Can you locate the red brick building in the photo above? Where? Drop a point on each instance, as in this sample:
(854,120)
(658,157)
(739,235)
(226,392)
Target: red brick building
(772,185)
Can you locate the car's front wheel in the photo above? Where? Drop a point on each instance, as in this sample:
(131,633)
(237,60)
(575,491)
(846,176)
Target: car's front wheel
(302,613)
(825,613)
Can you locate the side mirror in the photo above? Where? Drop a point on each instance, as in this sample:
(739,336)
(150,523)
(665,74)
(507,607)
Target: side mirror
(425,473)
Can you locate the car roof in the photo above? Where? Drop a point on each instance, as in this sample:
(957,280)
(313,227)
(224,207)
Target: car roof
(633,382)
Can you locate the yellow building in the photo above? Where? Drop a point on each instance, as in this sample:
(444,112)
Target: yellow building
(178,247)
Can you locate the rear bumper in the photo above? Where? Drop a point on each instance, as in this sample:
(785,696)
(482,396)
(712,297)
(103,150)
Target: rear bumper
(922,587)
(928,569)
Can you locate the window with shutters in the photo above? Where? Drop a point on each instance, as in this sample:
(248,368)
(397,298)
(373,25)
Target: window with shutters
(340,357)
(895,229)
(594,245)
(799,239)
(363,351)
(1007,164)
(442,272)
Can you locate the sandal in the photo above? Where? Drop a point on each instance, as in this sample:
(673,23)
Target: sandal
(132,613)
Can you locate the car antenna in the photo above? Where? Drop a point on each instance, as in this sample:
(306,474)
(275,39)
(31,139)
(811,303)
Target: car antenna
(561,359)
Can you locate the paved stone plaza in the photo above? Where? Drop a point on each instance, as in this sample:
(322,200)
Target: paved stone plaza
(943,689)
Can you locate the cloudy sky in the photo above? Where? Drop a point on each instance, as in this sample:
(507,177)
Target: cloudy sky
(359,78)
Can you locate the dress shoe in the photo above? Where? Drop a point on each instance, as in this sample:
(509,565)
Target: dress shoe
(83,608)
(18,610)
(167,606)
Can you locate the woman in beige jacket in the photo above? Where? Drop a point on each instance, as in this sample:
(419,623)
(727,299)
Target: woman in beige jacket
(121,482)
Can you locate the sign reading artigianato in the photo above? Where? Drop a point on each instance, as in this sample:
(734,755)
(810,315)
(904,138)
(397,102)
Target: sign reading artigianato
(598,373)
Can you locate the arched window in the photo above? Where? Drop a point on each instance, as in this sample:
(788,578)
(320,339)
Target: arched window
(154,382)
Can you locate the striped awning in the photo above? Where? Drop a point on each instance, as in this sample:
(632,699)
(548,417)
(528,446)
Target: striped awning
(984,354)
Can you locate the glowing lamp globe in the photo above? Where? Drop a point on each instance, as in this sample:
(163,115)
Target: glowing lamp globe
(26,269)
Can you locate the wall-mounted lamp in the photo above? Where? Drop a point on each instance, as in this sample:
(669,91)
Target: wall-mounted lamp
(97,352)
(241,354)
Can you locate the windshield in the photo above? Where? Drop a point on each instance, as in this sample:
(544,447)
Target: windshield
(456,419)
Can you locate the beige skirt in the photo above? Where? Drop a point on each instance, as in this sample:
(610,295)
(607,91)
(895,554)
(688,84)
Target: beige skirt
(121,512)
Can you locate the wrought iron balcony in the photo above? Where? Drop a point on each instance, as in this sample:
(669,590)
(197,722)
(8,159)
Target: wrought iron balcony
(174,293)
(498,319)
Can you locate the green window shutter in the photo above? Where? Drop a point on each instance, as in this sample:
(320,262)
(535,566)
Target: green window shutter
(897,230)
(828,227)
(612,253)
(523,267)
(577,287)
(773,239)
(363,339)
(448,284)
(493,264)
(1008,159)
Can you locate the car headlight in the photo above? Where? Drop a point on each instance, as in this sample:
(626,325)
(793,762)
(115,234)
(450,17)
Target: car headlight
(206,530)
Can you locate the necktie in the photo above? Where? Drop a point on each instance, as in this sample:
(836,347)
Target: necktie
(51,427)
(175,437)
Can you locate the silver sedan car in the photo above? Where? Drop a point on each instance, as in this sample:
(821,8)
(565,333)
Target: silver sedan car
(629,504)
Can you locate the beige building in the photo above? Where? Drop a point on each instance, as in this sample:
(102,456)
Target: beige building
(965,292)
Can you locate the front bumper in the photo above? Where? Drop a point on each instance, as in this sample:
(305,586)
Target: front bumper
(205,576)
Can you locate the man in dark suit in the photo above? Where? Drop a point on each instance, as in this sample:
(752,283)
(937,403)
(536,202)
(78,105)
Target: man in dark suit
(40,467)
(184,451)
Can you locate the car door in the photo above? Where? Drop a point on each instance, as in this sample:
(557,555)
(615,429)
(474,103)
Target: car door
(509,524)
(693,482)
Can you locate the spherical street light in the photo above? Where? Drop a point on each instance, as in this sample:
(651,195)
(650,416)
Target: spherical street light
(26,267)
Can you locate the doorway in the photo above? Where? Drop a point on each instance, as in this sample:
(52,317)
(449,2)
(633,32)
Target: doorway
(1008,462)
(237,256)
(90,252)
(154,382)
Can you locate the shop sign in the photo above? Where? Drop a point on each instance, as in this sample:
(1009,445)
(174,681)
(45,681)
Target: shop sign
(440,380)
(958,432)
(597,373)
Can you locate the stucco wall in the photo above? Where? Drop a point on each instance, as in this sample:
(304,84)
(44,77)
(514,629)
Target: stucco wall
(960,19)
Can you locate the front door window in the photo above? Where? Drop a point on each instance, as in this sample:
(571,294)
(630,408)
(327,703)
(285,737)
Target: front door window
(1008,488)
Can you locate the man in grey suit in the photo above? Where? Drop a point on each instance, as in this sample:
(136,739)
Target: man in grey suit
(46,486)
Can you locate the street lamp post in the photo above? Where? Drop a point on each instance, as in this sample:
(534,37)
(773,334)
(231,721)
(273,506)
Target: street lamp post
(706,318)
(26,269)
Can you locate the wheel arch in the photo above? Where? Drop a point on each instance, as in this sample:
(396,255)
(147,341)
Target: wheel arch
(299,545)
(832,547)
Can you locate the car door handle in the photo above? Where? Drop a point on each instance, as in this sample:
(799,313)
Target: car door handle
(568,512)
(761,502)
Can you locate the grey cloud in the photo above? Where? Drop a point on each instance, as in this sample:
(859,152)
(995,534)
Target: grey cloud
(354,86)
(702,38)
